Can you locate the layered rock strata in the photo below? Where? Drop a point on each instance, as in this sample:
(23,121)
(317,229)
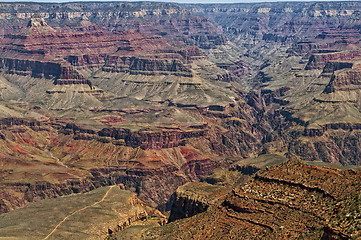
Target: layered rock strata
(194,198)
(290,201)
(318,61)
(77,160)
(57,54)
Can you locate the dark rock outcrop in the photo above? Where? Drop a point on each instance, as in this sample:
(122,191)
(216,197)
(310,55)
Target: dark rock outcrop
(194,198)
(136,65)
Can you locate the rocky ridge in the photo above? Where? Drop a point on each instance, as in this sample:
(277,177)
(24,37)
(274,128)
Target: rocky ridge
(291,200)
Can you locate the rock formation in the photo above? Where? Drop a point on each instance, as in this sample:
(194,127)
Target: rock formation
(193,198)
(290,201)
(58,54)
(318,61)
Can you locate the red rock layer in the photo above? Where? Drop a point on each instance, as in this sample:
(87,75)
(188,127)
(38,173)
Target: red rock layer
(40,51)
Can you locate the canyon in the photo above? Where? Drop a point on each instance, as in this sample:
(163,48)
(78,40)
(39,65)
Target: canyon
(153,96)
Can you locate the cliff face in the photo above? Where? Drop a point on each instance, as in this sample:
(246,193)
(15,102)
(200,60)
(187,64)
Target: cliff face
(279,200)
(347,79)
(166,138)
(33,68)
(175,23)
(69,55)
(151,161)
(58,54)
(194,198)
(146,66)
(76,60)
(334,146)
(275,22)
(318,61)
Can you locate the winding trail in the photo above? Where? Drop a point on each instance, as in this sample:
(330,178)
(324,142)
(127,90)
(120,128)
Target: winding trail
(77,211)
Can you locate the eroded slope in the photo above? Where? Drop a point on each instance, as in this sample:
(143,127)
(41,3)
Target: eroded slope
(292,200)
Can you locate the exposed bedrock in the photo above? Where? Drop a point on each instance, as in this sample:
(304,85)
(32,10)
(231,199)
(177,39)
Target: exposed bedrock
(335,142)
(138,65)
(206,41)
(320,130)
(335,146)
(307,47)
(7,122)
(318,61)
(193,198)
(43,53)
(174,22)
(155,80)
(333,66)
(344,80)
(152,164)
(146,139)
(33,68)
(39,69)
(320,202)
